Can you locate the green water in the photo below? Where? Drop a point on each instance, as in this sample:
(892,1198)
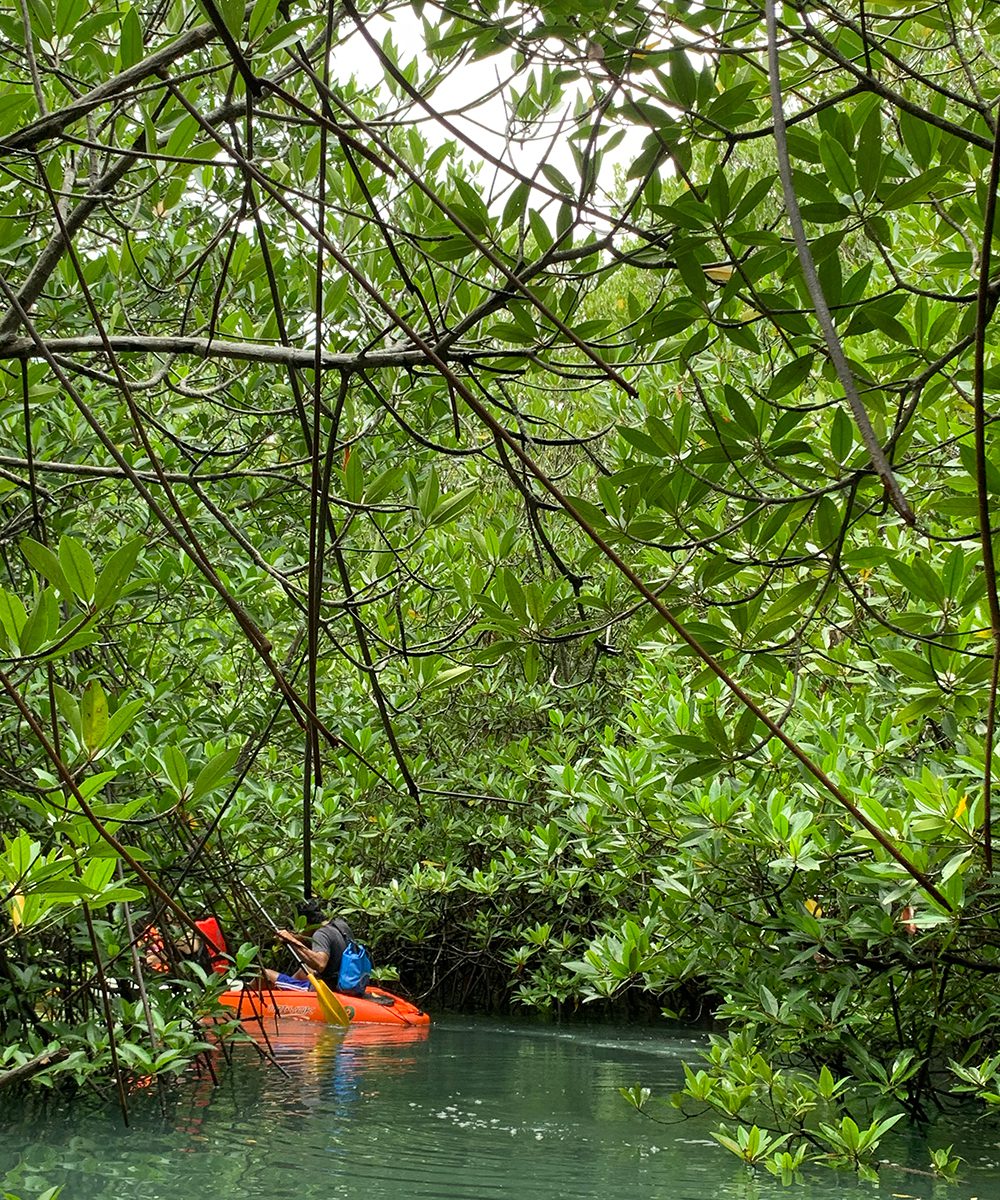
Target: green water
(469,1111)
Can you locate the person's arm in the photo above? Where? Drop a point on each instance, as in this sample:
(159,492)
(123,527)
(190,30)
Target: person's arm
(315,960)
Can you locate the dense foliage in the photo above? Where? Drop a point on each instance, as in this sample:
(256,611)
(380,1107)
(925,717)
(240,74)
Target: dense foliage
(527,474)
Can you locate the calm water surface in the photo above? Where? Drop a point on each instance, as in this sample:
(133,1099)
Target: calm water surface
(467,1111)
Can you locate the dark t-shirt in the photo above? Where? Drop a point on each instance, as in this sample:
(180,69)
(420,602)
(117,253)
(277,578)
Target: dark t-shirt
(332,939)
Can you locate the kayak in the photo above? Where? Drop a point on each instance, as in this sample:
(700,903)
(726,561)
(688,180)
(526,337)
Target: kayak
(376,1007)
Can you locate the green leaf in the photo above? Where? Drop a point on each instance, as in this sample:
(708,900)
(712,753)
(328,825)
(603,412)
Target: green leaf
(869,161)
(539,230)
(889,325)
(450,677)
(175,764)
(42,624)
(728,1143)
(450,507)
(515,595)
(791,376)
(917,137)
(743,414)
(698,770)
(516,206)
(68,15)
(919,579)
(683,77)
(953,576)
(69,709)
(991,474)
(641,441)
(47,565)
(261,16)
(70,889)
(184,133)
(120,721)
(795,599)
(828,523)
(78,568)
(119,894)
(915,189)
(841,436)
(285,35)
(116,571)
(837,163)
(99,872)
(691,271)
(532,664)
(354,477)
(232,14)
(130,47)
(12,615)
(213,773)
(825,214)
(913,666)
(429,495)
(13,105)
(595,517)
(921,706)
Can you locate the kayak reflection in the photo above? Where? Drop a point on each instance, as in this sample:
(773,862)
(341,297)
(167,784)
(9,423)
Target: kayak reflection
(348,1064)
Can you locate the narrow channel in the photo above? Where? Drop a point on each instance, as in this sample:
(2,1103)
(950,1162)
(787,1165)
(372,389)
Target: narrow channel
(465,1110)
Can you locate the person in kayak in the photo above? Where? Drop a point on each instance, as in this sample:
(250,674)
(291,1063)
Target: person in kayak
(323,957)
(167,950)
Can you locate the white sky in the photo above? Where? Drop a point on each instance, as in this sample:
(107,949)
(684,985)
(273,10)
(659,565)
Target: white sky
(459,98)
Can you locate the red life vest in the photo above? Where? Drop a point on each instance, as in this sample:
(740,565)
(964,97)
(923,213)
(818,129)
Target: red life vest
(215,944)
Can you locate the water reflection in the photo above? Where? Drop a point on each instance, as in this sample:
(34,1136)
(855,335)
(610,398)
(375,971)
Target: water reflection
(320,1064)
(464,1111)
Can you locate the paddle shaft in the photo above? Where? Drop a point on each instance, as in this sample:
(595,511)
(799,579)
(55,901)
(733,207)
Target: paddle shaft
(334,1011)
(268,918)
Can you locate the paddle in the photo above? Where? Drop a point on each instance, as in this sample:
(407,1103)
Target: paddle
(331,1008)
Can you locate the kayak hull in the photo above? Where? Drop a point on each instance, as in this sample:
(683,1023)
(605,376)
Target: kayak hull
(376,1007)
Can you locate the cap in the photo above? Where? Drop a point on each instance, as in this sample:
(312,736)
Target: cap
(310,908)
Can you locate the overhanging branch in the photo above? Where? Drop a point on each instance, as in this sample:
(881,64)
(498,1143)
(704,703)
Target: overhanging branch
(267,355)
(52,124)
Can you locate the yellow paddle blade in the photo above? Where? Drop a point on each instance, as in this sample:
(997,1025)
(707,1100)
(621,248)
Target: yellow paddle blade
(330,1006)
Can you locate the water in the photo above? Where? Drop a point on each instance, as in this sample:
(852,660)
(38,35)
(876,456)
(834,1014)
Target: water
(468,1110)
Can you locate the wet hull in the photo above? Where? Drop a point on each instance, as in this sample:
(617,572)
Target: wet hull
(377,1007)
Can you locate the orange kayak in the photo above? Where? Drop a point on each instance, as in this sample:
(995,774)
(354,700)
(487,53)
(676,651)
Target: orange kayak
(377,1006)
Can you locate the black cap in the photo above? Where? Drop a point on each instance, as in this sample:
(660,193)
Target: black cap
(311,909)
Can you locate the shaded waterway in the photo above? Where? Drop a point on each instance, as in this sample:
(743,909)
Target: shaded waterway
(468,1110)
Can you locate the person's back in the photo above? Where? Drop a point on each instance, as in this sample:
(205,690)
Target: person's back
(324,957)
(332,939)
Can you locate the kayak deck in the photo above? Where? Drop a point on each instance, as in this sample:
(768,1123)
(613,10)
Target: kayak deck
(377,1006)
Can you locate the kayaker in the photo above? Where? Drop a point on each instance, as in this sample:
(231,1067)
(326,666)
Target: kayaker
(209,950)
(323,957)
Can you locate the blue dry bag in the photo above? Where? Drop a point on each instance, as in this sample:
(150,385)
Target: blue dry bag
(355,970)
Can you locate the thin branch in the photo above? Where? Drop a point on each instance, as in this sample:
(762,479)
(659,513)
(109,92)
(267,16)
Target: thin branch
(836,351)
(984,310)
(267,355)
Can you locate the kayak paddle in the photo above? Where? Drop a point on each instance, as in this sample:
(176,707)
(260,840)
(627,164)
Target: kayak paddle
(331,1008)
